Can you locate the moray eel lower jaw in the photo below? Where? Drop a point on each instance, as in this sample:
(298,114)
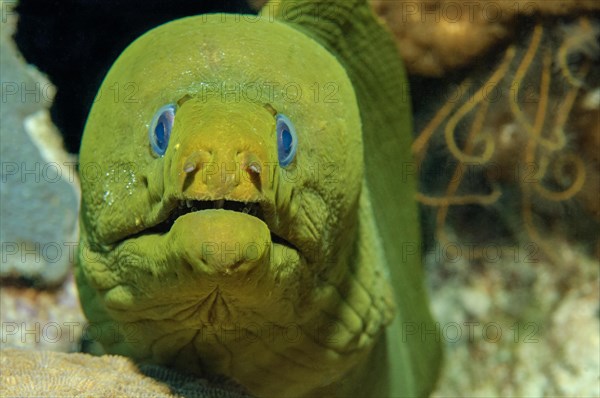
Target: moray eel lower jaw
(251,208)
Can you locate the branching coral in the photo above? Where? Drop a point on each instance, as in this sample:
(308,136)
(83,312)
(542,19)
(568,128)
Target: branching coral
(518,132)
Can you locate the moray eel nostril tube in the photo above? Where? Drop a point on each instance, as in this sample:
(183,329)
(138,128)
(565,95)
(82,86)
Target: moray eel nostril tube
(248,210)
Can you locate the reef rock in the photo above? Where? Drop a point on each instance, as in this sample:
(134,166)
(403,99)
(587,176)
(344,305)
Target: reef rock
(52,374)
(39,192)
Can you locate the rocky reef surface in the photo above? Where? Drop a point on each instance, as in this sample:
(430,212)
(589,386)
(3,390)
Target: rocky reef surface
(40,373)
(39,193)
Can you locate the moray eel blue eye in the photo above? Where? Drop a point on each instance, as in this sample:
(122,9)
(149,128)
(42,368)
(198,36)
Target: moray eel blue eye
(160,129)
(286,140)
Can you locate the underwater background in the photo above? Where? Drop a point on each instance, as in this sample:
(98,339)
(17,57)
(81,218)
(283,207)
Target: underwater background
(506,105)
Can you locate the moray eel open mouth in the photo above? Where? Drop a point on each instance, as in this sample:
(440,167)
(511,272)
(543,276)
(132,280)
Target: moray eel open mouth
(183,207)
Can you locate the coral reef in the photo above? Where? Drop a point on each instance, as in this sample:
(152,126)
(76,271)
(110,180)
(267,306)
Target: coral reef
(508,156)
(52,374)
(517,325)
(437,36)
(523,140)
(39,192)
(39,308)
(36,319)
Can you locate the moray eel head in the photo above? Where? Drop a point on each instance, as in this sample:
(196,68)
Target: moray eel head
(206,242)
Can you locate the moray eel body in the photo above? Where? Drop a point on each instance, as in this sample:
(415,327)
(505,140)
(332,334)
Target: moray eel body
(244,209)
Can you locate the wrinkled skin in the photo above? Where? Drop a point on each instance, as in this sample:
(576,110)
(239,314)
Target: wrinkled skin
(291,303)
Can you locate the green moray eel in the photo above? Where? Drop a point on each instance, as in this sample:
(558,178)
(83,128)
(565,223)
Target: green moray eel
(248,206)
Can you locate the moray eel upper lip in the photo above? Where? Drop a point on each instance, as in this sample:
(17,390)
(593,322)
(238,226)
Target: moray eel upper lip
(186,206)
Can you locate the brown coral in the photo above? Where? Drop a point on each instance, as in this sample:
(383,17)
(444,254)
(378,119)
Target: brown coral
(436,36)
(41,373)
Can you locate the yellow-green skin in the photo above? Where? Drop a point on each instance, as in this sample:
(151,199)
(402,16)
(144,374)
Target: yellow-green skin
(214,294)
